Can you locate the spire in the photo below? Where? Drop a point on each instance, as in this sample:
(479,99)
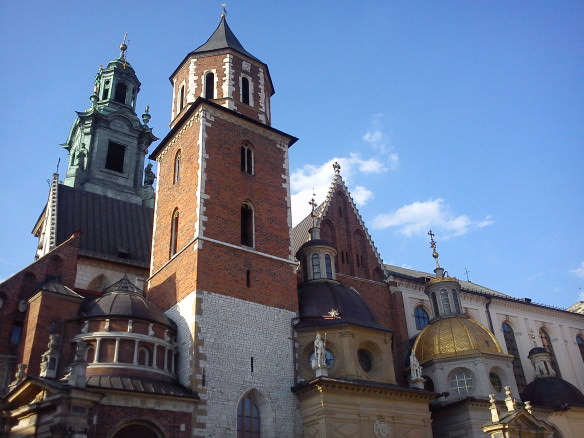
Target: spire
(124,47)
(224,38)
(438,271)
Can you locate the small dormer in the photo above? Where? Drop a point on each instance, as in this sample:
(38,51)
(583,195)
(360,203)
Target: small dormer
(222,71)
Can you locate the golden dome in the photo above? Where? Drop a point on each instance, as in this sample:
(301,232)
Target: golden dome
(454,337)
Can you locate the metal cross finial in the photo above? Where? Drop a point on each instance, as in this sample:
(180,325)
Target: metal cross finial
(124,46)
(466,271)
(224,12)
(337,168)
(432,242)
(313,205)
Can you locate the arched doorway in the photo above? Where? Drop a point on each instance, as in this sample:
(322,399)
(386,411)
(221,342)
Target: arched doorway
(137,430)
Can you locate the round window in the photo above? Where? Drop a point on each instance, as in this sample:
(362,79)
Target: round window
(365,360)
(495,381)
(461,382)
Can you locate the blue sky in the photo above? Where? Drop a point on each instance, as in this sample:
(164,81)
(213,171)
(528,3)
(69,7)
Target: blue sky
(465,117)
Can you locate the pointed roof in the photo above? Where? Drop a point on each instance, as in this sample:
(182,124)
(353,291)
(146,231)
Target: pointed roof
(300,232)
(224,38)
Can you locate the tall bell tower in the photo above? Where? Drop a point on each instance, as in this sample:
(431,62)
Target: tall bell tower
(108,142)
(222,264)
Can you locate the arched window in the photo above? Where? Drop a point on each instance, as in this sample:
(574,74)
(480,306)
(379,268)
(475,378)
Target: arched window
(315,266)
(456,301)
(247,225)
(181,102)
(446,310)
(435,305)
(329,266)
(174,233)
(121,91)
(512,349)
(248,419)
(143,356)
(247,158)
(546,342)
(422,318)
(245,90)
(90,354)
(106,89)
(580,342)
(209,86)
(176,176)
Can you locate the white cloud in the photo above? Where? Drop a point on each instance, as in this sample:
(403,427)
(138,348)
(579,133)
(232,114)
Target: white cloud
(311,178)
(579,271)
(378,140)
(418,217)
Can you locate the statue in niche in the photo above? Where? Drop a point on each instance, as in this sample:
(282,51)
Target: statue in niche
(319,352)
(149,176)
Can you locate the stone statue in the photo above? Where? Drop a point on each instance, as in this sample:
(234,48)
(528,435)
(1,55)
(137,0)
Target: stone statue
(319,352)
(149,176)
(415,367)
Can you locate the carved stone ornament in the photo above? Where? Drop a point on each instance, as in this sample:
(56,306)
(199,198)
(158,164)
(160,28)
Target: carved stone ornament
(381,429)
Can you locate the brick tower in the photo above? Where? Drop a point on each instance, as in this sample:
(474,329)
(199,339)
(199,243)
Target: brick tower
(222,264)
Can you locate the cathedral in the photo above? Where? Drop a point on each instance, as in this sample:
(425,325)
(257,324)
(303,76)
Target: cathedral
(185,304)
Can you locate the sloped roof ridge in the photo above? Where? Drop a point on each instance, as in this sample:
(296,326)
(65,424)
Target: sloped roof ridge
(338,180)
(224,38)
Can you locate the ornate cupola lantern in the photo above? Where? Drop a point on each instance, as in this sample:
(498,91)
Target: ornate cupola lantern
(442,290)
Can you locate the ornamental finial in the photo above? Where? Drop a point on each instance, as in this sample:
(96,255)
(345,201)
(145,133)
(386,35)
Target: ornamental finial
(337,168)
(124,46)
(313,206)
(224,11)
(433,246)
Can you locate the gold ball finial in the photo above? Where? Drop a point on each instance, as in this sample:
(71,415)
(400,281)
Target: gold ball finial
(123,47)
(435,255)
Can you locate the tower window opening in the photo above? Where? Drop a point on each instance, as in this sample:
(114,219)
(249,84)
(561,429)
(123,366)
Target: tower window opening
(245,90)
(445,302)
(174,233)
(456,301)
(106,89)
(247,159)
(115,157)
(121,91)
(315,266)
(181,102)
(209,86)
(176,176)
(435,304)
(328,266)
(246,225)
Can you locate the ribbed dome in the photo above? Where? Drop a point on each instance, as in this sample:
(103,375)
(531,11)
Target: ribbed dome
(552,392)
(454,337)
(124,299)
(317,298)
(313,242)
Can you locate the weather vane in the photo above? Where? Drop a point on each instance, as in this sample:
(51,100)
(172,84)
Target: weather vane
(337,168)
(224,12)
(124,46)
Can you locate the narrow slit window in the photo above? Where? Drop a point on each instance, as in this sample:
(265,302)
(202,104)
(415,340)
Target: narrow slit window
(245,90)
(315,266)
(176,177)
(209,86)
(329,266)
(246,225)
(181,102)
(247,159)
(174,233)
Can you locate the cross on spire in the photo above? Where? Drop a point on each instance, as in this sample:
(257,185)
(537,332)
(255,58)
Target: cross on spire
(124,46)
(313,206)
(224,11)
(433,246)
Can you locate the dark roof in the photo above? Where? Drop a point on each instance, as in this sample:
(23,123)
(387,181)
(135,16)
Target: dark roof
(140,384)
(314,242)
(110,228)
(552,392)
(317,298)
(201,101)
(58,288)
(124,299)
(223,38)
